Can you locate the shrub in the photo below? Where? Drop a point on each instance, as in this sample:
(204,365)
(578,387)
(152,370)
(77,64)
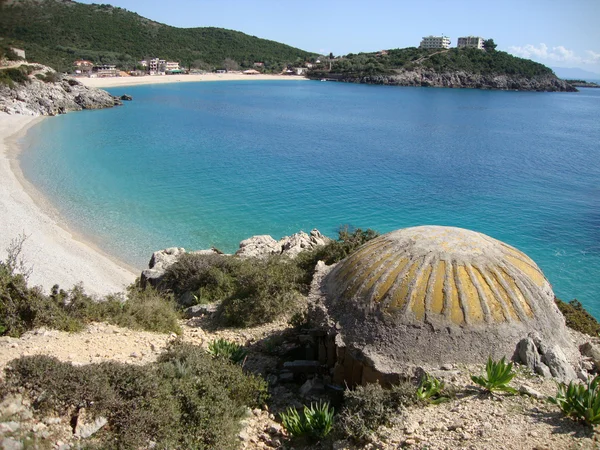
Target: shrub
(499,374)
(578,318)
(23,308)
(14,75)
(186,399)
(316,421)
(220,348)
(266,289)
(582,402)
(432,390)
(210,277)
(366,408)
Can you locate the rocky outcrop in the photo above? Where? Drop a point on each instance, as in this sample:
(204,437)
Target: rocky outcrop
(544,360)
(264,245)
(430,78)
(254,247)
(42,98)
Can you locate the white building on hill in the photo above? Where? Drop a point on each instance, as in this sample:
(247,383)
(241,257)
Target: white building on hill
(435,42)
(470,41)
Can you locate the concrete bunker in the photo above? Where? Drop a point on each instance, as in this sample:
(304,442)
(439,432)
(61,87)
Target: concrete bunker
(428,296)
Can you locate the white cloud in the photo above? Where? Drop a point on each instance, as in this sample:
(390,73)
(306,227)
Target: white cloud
(555,54)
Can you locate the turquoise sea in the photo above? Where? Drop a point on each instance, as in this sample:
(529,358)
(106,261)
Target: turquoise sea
(201,164)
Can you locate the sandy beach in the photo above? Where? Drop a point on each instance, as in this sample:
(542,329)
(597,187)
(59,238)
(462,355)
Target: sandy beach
(56,255)
(160,79)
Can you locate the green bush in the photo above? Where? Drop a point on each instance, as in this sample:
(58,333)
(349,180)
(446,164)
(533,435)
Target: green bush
(578,318)
(499,374)
(186,399)
(366,408)
(221,348)
(14,75)
(209,277)
(582,402)
(315,421)
(23,308)
(266,289)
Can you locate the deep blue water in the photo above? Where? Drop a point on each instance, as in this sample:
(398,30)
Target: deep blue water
(201,164)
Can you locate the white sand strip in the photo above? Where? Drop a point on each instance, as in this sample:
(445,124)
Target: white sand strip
(54,253)
(160,79)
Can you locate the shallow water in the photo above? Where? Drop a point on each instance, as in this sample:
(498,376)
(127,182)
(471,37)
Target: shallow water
(201,164)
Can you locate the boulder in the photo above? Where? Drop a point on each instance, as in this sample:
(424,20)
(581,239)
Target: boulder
(158,265)
(544,360)
(86,427)
(258,247)
(264,245)
(126,97)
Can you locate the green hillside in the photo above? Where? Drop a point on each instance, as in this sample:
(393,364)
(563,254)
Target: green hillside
(56,32)
(469,60)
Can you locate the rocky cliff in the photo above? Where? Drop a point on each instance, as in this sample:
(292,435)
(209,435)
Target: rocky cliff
(38,97)
(431,78)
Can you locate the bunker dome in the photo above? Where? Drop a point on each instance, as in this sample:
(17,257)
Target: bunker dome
(433,295)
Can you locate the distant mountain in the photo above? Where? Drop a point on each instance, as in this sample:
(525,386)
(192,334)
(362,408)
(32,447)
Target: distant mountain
(57,32)
(574,73)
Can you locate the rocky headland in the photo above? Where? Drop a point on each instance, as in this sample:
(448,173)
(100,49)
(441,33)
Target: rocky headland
(460,79)
(46,93)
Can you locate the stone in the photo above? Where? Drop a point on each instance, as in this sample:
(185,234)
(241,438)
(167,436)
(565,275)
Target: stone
(528,353)
(9,443)
(531,392)
(275,429)
(9,427)
(200,310)
(158,265)
(264,245)
(313,386)
(85,427)
(126,97)
(557,362)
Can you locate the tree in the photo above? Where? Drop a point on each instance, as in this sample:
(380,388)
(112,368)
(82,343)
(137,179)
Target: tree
(489,45)
(229,64)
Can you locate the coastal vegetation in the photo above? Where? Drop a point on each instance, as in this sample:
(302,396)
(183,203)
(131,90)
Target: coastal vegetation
(578,318)
(57,32)
(186,399)
(580,401)
(24,308)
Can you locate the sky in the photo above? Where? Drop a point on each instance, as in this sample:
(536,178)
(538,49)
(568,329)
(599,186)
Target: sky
(558,33)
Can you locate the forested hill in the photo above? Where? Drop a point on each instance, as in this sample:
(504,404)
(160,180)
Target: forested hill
(454,67)
(483,62)
(56,32)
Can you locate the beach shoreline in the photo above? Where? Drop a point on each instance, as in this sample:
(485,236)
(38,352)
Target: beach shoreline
(110,82)
(55,253)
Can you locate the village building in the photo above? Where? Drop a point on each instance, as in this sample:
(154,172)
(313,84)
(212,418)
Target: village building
(83,66)
(430,42)
(470,42)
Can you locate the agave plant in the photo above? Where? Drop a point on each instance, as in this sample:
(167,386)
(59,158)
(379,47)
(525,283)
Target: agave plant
(580,401)
(431,390)
(221,348)
(499,374)
(315,421)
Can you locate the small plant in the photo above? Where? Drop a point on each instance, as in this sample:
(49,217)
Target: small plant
(221,348)
(316,421)
(431,390)
(579,401)
(499,374)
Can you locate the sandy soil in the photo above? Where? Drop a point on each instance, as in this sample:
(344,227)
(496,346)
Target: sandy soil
(160,79)
(55,254)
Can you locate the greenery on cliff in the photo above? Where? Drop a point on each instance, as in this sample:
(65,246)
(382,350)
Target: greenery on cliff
(484,62)
(57,32)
